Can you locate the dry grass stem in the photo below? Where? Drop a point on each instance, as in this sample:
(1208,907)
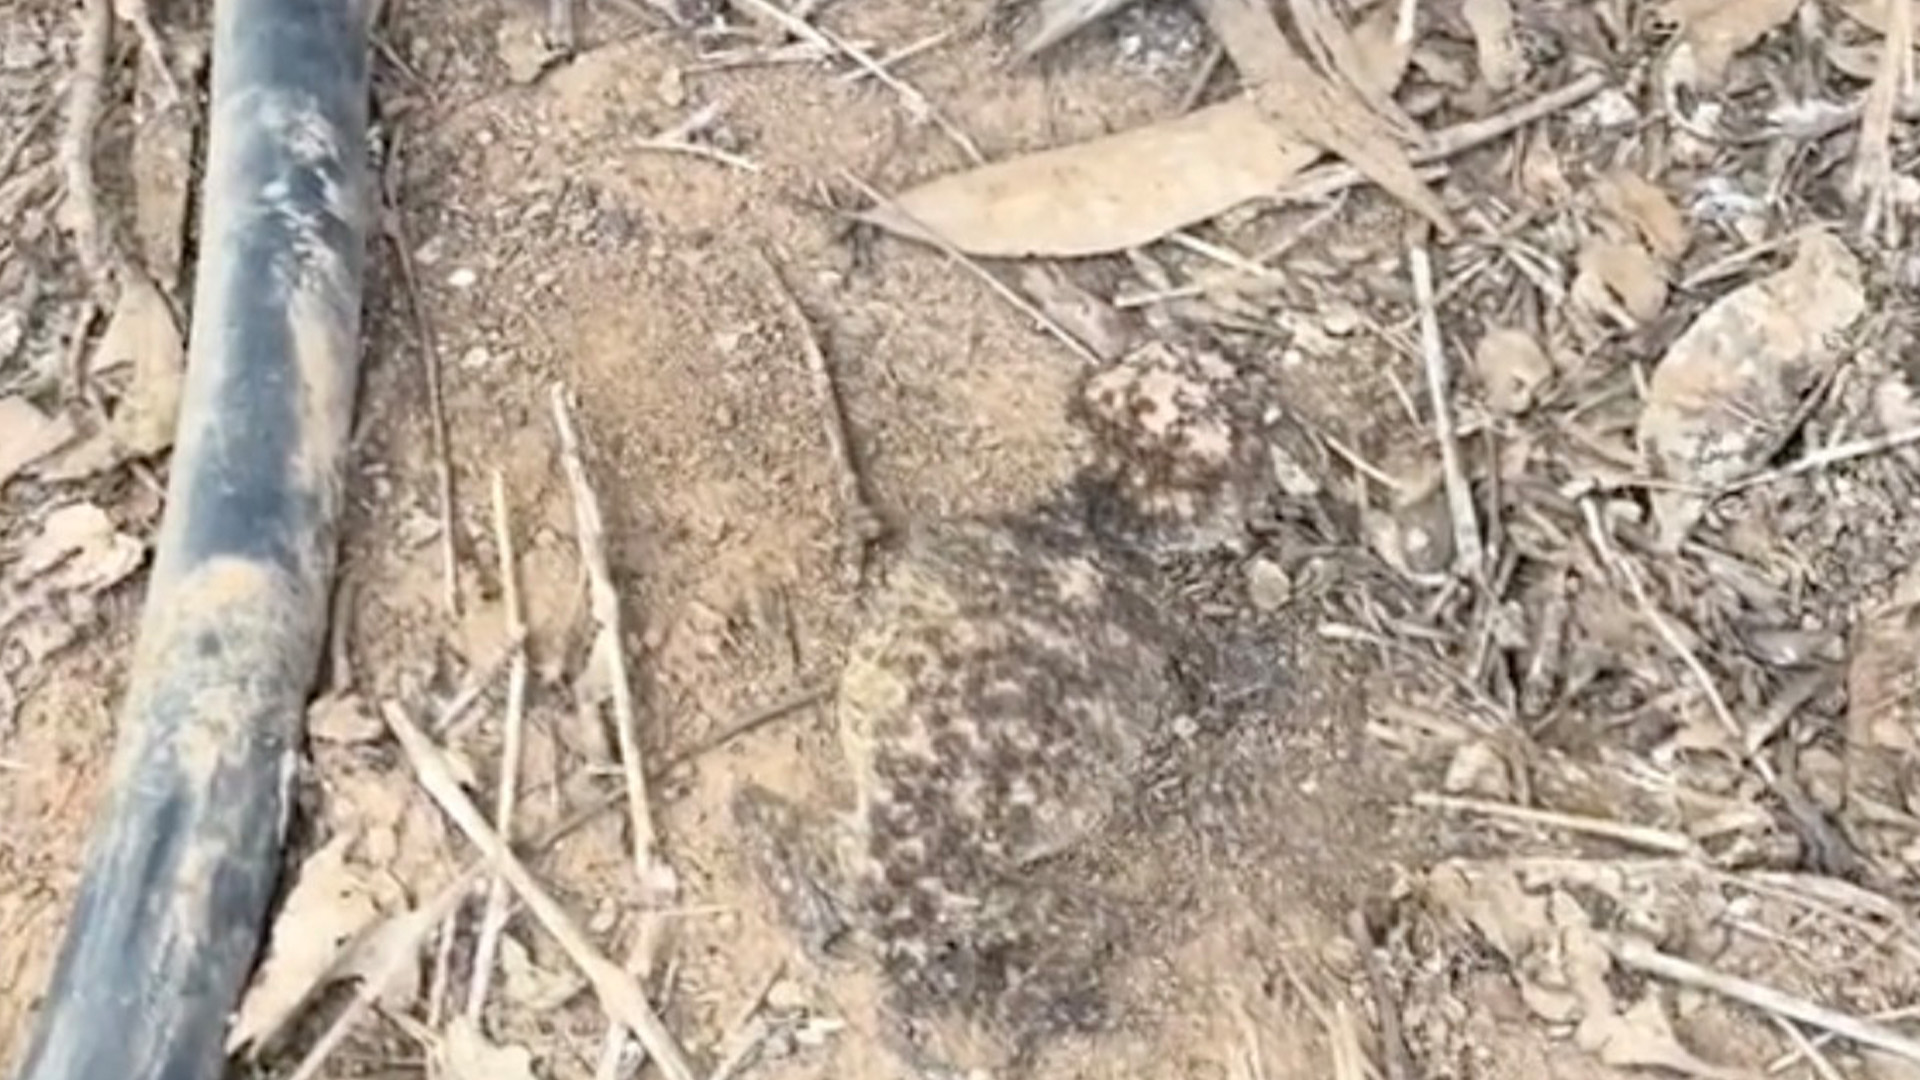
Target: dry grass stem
(1000,288)
(1469,553)
(1649,960)
(494,919)
(617,990)
(1664,841)
(610,643)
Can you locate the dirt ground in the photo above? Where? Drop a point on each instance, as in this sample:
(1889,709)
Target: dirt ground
(1722,724)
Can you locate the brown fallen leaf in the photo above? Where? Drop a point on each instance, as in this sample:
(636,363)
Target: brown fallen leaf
(1872,14)
(1374,72)
(142,333)
(78,549)
(532,987)
(1055,21)
(27,435)
(1383,56)
(1107,194)
(1561,960)
(1501,64)
(343,719)
(1621,279)
(329,905)
(1641,205)
(1512,367)
(1720,401)
(1714,31)
(1301,104)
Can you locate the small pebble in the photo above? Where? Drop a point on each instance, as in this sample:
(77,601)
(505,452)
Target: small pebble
(463,278)
(786,995)
(1268,586)
(476,358)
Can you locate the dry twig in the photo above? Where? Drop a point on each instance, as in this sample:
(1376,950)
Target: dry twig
(863,525)
(394,227)
(457,713)
(1661,840)
(11,156)
(640,958)
(617,990)
(80,210)
(1874,174)
(917,103)
(679,140)
(1645,958)
(1829,456)
(610,643)
(411,935)
(1011,296)
(494,921)
(1468,553)
(1393,1044)
(1319,182)
(744,1037)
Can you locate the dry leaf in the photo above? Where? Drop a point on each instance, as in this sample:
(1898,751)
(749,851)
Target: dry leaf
(1133,187)
(1620,278)
(1382,57)
(1872,14)
(1107,194)
(1374,73)
(1501,64)
(1720,402)
(142,333)
(530,986)
(1714,31)
(329,905)
(1640,204)
(78,549)
(343,719)
(1301,104)
(1056,20)
(465,1054)
(1561,960)
(27,435)
(1489,898)
(1512,367)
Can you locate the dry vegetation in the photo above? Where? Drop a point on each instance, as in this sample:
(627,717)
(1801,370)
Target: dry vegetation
(1564,719)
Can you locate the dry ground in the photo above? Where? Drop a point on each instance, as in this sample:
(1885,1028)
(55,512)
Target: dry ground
(1584,668)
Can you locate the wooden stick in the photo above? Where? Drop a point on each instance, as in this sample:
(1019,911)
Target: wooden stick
(79,212)
(1661,840)
(416,926)
(1322,181)
(610,640)
(617,990)
(1468,552)
(1393,1043)
(862,523)
(395,229)
(1828,456)
(494,921)
(1643,957)
(454,716)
